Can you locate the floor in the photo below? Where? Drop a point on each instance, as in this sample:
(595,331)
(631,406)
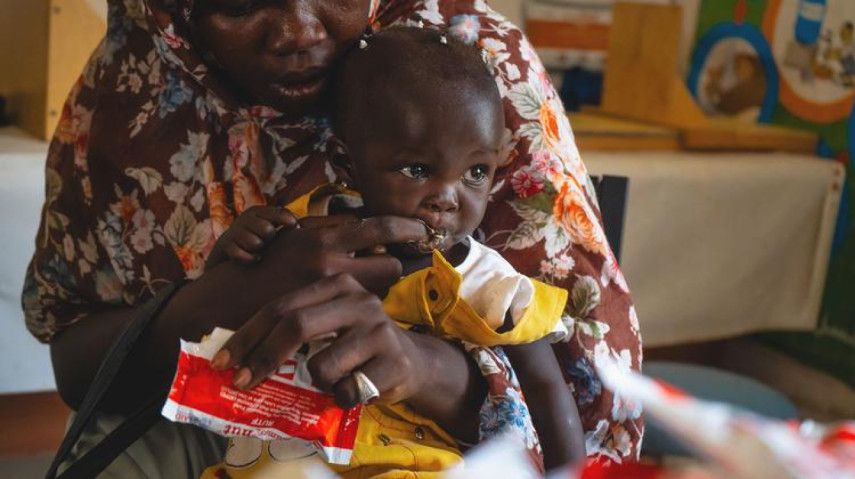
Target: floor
(38,420)
(33,426)
(32,467)
(817,395)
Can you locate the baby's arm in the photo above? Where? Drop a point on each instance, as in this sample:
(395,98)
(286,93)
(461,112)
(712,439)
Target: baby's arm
(553,409)
(249,233)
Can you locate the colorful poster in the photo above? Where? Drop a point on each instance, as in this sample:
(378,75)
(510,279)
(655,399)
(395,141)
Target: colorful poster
(792,63)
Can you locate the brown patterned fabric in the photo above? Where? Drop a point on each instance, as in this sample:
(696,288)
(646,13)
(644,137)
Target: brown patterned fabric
(153,157)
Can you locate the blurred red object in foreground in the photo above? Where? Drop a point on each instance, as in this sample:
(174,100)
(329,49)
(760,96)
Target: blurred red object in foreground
(604,469)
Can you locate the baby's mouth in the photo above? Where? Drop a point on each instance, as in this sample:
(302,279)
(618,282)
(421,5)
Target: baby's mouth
(436,238)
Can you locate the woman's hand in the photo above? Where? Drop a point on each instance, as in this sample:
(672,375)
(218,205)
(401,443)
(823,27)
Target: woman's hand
(230,294)
(365,339)
(434,377)
(326,246)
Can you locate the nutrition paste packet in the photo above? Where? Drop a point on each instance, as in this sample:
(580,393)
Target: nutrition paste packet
(283,406)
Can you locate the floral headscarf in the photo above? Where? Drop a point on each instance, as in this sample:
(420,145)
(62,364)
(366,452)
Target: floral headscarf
(153,157)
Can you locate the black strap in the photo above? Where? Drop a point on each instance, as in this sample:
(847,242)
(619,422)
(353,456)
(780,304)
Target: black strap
(135,425)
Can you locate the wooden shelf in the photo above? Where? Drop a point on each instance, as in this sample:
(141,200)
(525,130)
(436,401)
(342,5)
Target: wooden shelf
(52,40)
(601,132)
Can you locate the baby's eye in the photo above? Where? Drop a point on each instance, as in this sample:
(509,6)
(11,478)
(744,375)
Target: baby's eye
(477,175)
(416,171)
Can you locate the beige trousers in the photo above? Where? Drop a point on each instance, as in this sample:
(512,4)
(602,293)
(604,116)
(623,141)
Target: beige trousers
(167,451)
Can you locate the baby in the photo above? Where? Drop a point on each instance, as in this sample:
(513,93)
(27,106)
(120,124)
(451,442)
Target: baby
(422,121)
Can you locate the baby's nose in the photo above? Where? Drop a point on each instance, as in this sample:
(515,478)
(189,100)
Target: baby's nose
(443,202)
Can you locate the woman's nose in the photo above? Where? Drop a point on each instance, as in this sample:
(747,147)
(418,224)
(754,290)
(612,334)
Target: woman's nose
(295,30)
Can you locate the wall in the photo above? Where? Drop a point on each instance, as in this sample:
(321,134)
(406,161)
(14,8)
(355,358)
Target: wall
(24,363)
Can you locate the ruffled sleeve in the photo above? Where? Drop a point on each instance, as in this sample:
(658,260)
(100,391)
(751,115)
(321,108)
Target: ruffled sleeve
(109,233)
(69,273)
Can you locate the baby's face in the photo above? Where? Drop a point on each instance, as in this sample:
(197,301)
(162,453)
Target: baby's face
(431,159)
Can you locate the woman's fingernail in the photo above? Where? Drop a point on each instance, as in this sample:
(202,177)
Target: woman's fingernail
(242,378)
(221,360)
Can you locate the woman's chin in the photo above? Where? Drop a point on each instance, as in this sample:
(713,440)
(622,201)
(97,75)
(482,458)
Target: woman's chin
(291,107)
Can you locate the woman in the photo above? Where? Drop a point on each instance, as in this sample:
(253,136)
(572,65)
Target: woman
(189,113)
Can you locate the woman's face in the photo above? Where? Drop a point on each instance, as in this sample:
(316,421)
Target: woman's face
(279,52)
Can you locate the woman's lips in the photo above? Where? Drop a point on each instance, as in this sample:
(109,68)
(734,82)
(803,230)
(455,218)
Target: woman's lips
(299,89)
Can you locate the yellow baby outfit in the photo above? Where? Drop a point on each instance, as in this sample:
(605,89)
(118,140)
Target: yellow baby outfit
(393,442)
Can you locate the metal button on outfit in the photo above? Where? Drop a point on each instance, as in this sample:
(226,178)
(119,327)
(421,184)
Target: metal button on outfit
(433,295)
(420,433)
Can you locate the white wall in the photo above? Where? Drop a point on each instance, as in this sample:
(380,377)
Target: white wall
(24,362)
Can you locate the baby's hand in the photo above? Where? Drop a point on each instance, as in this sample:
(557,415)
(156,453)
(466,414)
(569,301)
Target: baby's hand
(249,233)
